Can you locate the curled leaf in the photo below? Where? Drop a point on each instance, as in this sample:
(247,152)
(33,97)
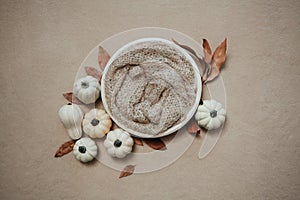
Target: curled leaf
(91,71)
(127,171)
(194,127)
(71,98)
(219,56)
(103,57)
(138,141)
(206,51)
(64,148)
(189,49)
(155,143)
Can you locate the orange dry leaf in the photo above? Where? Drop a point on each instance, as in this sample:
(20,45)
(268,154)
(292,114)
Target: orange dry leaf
(189,49)
(138,141)
(155,143)
(127,171)
(71,98)
(194,128)
(64,148)
(91,71)
(207,51)
(103,57)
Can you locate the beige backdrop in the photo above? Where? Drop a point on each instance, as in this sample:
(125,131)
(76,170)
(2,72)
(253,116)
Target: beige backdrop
(258,157)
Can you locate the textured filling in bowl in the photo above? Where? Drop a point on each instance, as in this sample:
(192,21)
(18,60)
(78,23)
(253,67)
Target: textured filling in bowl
(149,87)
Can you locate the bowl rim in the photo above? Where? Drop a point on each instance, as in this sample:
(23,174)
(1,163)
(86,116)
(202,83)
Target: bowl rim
(189,114)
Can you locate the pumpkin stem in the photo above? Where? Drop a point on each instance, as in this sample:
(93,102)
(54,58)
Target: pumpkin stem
(82,149)
(117,143)
(213,113)
(84,84)
(95,122)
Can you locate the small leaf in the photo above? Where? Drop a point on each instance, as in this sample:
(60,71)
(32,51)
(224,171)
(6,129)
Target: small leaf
(127,171)
(64,148)
(194,128)
(189,49)
(156,143)
(103,57)
(71,98)
(219,56)
(91,71)
(138,141)
(207,51)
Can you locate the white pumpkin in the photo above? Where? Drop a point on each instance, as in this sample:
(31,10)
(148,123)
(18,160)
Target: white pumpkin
(96,123)
(71,117)
(87,89)
(85,149)
(210,115)
(118,143)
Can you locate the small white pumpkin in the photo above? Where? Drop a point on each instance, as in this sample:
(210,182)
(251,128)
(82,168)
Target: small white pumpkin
(85,149)
(96,123)
(118,143)
(210,115)
(71,117)
(87,89)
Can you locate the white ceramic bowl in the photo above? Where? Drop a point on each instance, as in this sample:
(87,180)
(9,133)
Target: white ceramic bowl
(188,115)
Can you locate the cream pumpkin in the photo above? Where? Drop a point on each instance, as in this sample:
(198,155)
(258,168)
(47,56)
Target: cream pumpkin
(210,115)
(85,149)
(96,123)
(118,143)
(87,89)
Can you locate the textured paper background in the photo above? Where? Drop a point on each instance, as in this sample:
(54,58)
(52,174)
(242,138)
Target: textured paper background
(258,157)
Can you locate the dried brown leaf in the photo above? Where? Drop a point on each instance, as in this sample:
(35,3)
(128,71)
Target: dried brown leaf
(71,98)
(194,128)
(219,56)
(207,51)
(64,148)
(138,141)
(103,57)
(155,143)
(91,71)
(189,49)
(127,171)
